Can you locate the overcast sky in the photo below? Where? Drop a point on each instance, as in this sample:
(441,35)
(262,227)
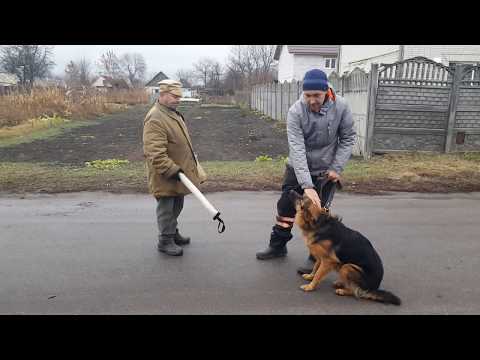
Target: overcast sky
(166,58)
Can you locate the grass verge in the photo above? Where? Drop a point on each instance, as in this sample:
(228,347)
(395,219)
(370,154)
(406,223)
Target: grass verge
(412,172)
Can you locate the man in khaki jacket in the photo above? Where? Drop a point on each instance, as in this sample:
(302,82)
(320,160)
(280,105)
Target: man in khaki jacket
(168,151)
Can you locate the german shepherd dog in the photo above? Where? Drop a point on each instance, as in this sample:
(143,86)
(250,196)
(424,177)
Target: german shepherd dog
(336,247)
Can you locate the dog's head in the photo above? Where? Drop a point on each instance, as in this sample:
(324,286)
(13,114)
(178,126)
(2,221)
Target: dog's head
(308,213)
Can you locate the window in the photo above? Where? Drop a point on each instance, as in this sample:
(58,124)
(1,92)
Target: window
(330,63)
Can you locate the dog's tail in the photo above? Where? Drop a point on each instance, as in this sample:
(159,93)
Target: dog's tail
(382,296)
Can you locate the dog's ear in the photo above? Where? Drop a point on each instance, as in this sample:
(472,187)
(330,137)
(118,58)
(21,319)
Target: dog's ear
(294,196)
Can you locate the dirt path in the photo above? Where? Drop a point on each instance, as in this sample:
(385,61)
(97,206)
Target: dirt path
(217,134)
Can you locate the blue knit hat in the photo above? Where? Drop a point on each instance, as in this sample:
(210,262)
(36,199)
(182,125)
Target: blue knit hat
(315,80)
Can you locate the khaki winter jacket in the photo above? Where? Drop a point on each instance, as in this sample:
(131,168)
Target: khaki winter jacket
(167,148)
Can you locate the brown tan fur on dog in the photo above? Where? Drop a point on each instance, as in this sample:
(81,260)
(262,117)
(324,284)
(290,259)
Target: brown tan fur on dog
(326,260)
(350,275)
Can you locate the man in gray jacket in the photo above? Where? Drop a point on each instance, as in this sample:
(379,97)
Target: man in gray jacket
(321,136)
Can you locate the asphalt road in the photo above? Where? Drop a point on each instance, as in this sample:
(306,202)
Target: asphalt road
(95,253)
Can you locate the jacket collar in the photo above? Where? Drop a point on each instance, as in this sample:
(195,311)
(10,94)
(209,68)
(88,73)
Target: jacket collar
(166,110)
(175,115)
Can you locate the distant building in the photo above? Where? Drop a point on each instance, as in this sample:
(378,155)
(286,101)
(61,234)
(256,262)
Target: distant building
(106,83)
(295,60)
(152,86)
(8,82)
(190,92)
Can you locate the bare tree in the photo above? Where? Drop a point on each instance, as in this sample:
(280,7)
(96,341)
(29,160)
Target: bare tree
(250,64)
(84,67)
(266,54)
(203,69)
(109,65)
(72,75)
(134,67)
(237,66)
(77,73)
(186,77)
(27,62)
(216,71)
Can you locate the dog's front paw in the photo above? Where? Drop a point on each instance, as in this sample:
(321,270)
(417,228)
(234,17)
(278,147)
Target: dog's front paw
(307,287)
(308,277)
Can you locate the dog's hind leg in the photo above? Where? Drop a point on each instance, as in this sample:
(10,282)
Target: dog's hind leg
(338,284)
(350,276)
(346,291)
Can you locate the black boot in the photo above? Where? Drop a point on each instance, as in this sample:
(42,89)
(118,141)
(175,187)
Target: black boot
(278,244)
(167,245)
(181,240)
(308,266)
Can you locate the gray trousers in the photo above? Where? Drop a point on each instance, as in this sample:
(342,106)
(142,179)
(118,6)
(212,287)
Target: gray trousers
(168,210)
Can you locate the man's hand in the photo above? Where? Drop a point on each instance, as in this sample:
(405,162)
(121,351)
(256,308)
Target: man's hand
(176,176)
(332,175)
(313,195)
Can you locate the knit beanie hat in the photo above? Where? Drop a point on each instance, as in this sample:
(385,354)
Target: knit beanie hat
(315,80)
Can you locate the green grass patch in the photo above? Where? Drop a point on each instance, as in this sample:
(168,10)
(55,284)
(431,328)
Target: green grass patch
(109,164)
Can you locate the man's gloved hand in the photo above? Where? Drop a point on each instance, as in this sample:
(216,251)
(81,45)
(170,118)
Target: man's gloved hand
(176,175)
(332,175)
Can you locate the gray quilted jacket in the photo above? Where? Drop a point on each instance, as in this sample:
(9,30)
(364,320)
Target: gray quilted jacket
(319,141)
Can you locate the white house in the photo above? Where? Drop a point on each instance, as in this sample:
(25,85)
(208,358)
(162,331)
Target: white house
(352,56)
(295,60)
(152,87)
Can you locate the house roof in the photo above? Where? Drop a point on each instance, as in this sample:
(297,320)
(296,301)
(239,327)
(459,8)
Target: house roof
(8,79)
(156,79)
(120,83)
(102,81)
(308,50)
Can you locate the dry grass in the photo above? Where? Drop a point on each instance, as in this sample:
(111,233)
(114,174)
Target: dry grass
(218,105)
(19,108)
(414,166)
(127,97)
